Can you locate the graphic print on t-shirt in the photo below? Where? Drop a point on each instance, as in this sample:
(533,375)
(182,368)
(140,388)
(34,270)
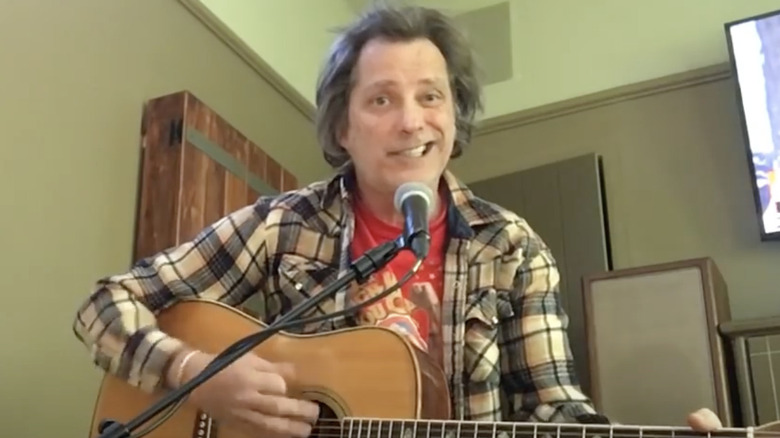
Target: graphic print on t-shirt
(415,309)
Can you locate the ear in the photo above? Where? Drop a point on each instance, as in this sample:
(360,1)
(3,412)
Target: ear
(342,133)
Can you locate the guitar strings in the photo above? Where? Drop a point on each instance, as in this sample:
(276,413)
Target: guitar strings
(345,434)
(340,428)
(325,432)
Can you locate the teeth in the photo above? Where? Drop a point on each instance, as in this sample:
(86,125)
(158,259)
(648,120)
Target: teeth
(416,152)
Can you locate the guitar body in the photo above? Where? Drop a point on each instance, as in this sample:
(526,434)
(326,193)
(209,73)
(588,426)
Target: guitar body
(371,376)
(355,372)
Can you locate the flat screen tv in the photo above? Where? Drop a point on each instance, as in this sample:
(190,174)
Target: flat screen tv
(754,51)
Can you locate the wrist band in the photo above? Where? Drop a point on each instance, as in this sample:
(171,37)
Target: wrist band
(182,364)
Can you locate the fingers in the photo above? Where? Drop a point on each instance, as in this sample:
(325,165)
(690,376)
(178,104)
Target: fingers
(268,383)
(283,371)
(286,370)
(280,406)
(269,404)
(704,420)
(270,395)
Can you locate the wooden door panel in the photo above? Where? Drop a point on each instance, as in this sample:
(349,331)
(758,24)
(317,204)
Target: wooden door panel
(195,169)
(235,187)
(158,206)
(202,192)
(257,166)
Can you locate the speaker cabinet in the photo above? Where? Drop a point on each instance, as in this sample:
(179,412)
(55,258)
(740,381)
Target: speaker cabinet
(652,336)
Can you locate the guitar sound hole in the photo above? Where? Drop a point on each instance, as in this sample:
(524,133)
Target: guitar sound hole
(327,425)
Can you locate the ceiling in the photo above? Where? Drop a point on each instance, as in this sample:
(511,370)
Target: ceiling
(531,52)
(485,22)
(449,6)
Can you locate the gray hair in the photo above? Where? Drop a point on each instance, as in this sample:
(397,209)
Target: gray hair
(394,24)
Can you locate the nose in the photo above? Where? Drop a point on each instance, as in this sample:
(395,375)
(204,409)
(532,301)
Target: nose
(412,117)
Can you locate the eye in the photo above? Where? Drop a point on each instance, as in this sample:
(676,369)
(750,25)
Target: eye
(380,100)
(432,97)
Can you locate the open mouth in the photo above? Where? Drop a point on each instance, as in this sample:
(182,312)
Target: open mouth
(416,152)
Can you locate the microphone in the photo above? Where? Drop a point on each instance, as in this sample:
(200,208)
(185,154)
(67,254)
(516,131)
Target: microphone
(414,201)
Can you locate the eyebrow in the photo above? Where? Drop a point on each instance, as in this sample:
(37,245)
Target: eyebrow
(425,81)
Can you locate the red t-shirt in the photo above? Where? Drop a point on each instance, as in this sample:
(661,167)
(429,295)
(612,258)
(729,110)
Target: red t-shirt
(414,310)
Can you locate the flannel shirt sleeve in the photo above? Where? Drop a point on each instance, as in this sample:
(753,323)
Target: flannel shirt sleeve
(117,322)
(537,364)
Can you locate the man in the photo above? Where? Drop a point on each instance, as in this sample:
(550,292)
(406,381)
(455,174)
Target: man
(396,101)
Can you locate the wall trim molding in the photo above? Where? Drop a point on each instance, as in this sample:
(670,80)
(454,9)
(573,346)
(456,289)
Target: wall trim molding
(611,96)
(224,33)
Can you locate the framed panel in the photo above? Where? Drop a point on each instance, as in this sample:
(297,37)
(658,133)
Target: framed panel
(655,351)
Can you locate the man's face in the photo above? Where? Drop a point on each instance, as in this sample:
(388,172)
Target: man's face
(401,121)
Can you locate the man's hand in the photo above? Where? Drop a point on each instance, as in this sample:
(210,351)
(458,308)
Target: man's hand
(704,420)
(252,395)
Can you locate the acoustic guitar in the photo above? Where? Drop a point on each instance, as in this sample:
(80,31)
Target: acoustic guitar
(369,381)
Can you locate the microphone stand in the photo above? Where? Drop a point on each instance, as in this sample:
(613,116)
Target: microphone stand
(370,262)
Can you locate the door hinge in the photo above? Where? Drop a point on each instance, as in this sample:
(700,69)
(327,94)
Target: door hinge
(176,132)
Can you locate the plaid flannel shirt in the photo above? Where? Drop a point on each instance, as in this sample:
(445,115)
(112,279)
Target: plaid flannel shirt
(505,346)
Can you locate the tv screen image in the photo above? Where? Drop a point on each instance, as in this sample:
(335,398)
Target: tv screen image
(754,49)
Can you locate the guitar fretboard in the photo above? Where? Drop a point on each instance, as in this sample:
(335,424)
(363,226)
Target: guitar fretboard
(382,428)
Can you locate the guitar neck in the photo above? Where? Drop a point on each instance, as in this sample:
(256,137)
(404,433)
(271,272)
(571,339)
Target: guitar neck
(384,428)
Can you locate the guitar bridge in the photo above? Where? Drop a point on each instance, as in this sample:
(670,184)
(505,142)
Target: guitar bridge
(205,426)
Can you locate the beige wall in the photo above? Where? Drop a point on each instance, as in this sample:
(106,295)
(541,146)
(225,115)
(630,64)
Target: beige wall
(677,181)
(74,77)
(607,44)
(271,28)
(70,110)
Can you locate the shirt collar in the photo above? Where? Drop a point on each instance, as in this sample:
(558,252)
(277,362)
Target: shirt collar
(466,210)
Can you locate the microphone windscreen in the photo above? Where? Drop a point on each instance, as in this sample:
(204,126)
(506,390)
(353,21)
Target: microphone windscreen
(410,189)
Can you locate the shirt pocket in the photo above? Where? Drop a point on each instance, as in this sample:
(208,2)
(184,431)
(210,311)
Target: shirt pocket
(481,350)
(297,279)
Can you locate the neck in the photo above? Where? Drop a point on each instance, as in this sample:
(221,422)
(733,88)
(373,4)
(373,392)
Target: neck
(389,428)
(380,204)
